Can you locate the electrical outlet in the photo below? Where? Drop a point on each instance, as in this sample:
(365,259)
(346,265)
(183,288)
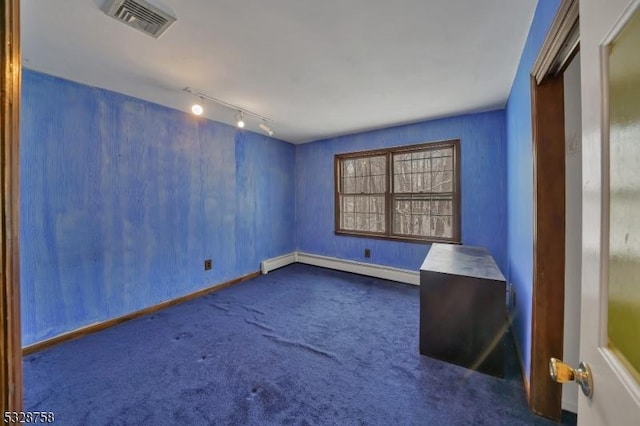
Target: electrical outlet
(208,264)
(367,252)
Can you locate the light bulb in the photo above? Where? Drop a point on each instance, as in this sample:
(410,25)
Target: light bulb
(240,123)
(197,109)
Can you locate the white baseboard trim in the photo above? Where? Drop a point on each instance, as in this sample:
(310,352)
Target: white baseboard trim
(269,265)
(372,270)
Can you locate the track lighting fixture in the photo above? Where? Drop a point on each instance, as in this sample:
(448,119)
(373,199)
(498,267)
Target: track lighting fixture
(239,120)
(266,128)
(198,109)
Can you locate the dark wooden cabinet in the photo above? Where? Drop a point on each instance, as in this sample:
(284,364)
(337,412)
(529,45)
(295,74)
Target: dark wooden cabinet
(463,315)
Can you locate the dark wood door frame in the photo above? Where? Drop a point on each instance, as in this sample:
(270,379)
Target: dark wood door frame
(10,350)
(548,244)
(547,109)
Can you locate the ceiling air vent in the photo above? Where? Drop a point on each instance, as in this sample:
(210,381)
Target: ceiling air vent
(140,15)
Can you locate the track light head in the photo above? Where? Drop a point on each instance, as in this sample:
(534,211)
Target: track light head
(239,120)
(266,128)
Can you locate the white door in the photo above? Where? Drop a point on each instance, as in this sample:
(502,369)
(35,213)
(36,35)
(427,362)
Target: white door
(610,313)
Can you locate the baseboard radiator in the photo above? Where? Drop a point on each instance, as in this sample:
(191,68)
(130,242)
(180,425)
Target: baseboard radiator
(369,269)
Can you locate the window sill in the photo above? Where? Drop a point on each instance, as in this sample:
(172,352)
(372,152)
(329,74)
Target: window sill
(415,240)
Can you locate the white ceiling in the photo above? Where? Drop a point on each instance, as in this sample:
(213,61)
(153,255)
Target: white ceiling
(316,68)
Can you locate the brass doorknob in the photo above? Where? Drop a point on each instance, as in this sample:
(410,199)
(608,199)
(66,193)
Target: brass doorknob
(563,373)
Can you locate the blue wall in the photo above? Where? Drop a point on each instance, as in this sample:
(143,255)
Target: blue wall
(483,178)
(520,179)
(122,200)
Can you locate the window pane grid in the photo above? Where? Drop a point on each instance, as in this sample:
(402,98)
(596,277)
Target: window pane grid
(367,175)
(365,213)
(421,198)
(424,215)
(423,171)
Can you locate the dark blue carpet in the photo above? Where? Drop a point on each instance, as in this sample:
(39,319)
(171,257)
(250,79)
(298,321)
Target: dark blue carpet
(300,346)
